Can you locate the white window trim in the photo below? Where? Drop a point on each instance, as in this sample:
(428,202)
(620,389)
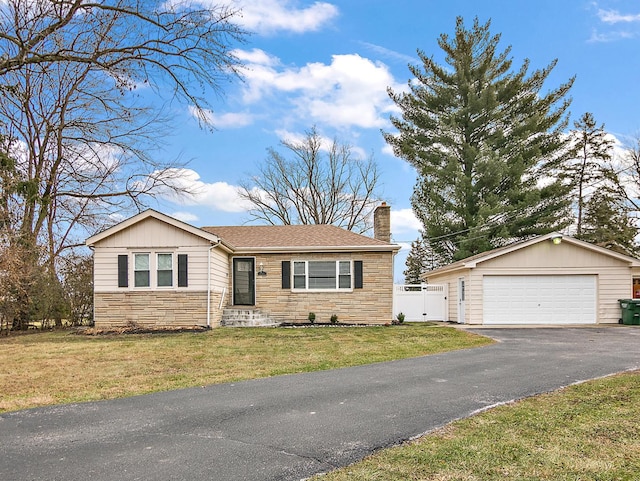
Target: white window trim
(173,270)
(132,281)
(306,276)
(153,271)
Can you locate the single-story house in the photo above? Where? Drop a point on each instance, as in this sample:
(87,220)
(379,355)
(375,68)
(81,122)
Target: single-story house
(552,279)
(155,270)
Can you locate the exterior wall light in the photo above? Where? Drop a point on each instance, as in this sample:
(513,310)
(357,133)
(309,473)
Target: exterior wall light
(261,271)
(556,239)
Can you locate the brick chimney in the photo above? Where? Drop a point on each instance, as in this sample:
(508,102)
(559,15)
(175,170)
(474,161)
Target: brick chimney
(382,222)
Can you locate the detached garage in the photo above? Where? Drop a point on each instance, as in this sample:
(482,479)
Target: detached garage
(548,280)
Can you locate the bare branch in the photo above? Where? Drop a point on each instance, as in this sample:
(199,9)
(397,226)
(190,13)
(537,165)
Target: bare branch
(314,186)
(78,141)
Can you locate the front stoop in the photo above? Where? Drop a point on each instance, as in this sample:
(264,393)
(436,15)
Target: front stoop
(233,317)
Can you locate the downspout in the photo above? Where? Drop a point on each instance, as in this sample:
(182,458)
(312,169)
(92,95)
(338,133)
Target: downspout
(93,308)
(209,283)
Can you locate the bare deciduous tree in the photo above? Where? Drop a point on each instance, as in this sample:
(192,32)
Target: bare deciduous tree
(180,45)
(314,185)
(630,174)
(82,89)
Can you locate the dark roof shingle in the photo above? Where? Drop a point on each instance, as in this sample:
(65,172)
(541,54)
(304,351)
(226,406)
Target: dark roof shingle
(283,236)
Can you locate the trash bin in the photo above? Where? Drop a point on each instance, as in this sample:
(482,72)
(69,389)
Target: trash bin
(630,311)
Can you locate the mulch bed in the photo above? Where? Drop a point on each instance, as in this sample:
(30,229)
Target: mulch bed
(92,331)
(330,324)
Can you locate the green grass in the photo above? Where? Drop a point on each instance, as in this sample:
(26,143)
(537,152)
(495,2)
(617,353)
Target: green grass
(60,367)
(586,432)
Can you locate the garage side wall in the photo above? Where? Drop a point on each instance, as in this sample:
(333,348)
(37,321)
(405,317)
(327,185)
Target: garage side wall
(451,280)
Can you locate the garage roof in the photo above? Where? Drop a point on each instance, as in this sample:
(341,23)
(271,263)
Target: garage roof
(471,262)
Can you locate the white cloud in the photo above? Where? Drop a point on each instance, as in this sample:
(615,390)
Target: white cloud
(388,150)
(404,221)
(228,120)
(613,16)
(271,16)
(404,246)
(350,91)
(217,195)
(391,54)
(599,37)
(185,216)
(613,20)
(256,57)
(325,142)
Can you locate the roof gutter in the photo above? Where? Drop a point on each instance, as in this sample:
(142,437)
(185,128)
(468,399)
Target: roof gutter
(307,249)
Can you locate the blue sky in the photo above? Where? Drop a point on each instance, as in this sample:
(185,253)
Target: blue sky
(329,64)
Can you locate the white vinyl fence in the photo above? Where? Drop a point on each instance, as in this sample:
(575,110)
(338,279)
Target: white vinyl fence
(420,302)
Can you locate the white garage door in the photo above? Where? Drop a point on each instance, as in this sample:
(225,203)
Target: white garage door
(566,299)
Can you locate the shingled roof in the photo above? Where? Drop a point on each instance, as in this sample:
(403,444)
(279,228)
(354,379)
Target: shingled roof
(294,237)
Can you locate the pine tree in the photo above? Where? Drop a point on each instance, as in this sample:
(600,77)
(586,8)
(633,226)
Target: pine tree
(481,136)
(590,168)
(607,223)
(420,260)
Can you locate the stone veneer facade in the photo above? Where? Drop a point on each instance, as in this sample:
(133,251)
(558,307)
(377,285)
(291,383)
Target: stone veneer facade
(155,309)
(371,304)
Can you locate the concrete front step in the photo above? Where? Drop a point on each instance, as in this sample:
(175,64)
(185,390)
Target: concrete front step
(246,318)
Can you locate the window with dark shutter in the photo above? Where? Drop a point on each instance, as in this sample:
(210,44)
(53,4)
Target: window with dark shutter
(182,270)
(357,268)
(123,270)
(286,274)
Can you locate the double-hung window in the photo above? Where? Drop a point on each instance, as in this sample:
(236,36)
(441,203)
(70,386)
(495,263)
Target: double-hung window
(141,272)
(165,270)
(322,275)
(154,269)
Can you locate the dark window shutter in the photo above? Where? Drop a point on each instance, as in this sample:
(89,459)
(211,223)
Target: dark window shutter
(182,270)
(123,270)
(357,272)
(286,274)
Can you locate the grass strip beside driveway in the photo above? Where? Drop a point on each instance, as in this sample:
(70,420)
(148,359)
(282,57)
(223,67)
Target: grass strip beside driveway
(588,431)
(59,367)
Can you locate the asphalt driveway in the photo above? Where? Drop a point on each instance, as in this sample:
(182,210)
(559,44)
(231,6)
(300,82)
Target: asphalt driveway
(290,427)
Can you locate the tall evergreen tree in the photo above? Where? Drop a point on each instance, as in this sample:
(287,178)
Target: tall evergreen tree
(591,168)
(482,137)
(420,260)
(607,222)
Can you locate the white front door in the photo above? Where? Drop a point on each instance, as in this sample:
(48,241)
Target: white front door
(461,296)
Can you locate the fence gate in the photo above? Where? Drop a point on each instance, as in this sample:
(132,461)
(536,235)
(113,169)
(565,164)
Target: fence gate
(420,302)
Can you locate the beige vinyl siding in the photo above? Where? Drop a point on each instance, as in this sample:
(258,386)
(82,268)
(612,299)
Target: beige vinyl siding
(546,255)
(614,276)
(157,307)
(154,236)
(474,297)
(152,232)
(451,280)
(545,258)
(106,267)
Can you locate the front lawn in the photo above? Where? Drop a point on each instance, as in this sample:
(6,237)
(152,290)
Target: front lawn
(60,367)
(586,432)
